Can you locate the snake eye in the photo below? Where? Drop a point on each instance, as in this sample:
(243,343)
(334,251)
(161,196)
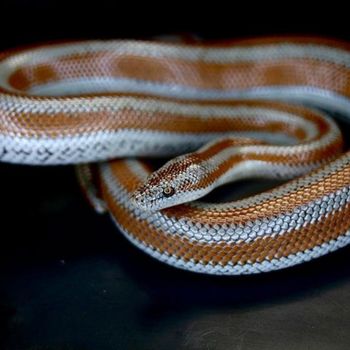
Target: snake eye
(168,191)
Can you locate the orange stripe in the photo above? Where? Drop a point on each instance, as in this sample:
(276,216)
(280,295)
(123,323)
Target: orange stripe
(307,157)
(222,76)
(274,206)
(63,124)
(330,227)
(298,159)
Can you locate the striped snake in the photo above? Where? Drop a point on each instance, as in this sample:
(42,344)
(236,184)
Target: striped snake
(252,108)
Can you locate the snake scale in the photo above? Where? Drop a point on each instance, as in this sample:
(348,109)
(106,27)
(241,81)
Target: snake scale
(228,111)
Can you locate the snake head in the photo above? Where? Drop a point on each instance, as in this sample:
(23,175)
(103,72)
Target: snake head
(178,181)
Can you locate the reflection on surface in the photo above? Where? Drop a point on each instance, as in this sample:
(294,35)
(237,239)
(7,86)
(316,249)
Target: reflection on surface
(68,280)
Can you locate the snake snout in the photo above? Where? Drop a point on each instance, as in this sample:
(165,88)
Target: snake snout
(138,200)
(144,198)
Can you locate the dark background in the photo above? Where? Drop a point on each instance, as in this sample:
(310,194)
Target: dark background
(69,280)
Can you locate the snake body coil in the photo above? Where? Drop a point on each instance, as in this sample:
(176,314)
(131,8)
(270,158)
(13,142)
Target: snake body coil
(117,100)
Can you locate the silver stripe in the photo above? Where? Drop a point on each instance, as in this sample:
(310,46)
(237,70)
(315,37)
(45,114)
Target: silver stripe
(308,95)
(230,269)
(301,216)
(234,53)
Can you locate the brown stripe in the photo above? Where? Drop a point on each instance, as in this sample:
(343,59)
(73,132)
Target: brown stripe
(273,127)
(266,248)
(222,76)
(292,158)
(270,207)
(221,145)
(63,124)
(274,206)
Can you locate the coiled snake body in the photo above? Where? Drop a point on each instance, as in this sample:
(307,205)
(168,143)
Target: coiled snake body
(117,101)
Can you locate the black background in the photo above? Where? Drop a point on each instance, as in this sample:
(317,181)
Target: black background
(28,21)
(68,280)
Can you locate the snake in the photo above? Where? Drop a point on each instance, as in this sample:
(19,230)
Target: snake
(221,112)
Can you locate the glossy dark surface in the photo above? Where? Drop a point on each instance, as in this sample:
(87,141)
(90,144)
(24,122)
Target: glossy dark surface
(69,280)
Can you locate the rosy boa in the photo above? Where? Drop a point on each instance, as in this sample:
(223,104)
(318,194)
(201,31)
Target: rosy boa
(97,100)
